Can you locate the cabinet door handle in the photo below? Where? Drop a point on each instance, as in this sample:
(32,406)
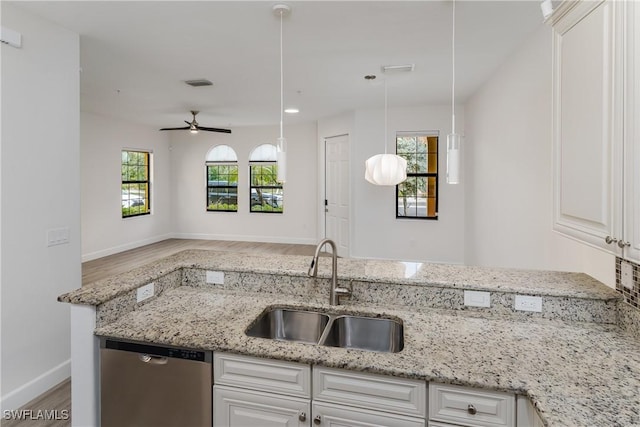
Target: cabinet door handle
(622,244)
(471,409)
(609,240)
(317,420)
(302,416)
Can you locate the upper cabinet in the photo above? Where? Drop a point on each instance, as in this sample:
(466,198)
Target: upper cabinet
(595,168)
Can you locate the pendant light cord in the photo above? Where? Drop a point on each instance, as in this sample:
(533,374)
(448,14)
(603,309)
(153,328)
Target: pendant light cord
(281,80)
(453,69)
(385,116)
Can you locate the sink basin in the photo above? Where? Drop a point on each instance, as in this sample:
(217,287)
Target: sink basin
(333,330)
(290,325)
(366,333)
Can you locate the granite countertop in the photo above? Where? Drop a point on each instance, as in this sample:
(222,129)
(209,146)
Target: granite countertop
(533,282)
(576,374)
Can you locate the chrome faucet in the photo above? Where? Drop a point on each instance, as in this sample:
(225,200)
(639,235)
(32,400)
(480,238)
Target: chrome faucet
(335,292)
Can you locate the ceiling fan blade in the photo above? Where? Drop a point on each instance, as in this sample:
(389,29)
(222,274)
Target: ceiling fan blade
(214,129)
(186,127)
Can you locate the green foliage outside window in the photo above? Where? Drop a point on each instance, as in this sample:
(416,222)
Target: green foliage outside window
(135,167)
(266,194)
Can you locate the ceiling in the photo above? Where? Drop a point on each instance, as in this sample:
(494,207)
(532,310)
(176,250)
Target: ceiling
(136,55)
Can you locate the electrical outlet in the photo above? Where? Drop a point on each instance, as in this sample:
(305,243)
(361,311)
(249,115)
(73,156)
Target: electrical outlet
(145,292)
(477,299)
(626,274)
(215,277)
(57,236)
(528,303)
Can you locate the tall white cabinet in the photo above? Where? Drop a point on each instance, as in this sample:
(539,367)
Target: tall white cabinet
(595,124)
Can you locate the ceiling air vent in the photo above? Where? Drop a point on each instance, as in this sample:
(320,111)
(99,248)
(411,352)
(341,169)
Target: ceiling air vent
(198,82)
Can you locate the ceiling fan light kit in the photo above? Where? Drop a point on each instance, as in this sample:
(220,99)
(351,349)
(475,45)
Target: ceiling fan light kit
(194,127)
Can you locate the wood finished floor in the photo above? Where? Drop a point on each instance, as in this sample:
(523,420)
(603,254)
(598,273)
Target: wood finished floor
(59,397)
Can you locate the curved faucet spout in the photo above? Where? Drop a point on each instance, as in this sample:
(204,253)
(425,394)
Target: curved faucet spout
(336,291)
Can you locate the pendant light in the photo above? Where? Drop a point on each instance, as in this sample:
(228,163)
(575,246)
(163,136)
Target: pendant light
(281,147)
(385,169)
(453,139)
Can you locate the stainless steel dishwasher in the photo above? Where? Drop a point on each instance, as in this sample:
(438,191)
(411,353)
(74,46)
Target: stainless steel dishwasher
(145,385)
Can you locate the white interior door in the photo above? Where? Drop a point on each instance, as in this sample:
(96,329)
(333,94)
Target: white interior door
(336,217)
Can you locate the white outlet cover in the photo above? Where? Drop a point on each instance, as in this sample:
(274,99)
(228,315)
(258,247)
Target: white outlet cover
(477,299)
(626,274)
(528,303)
(145,292)
(215,277)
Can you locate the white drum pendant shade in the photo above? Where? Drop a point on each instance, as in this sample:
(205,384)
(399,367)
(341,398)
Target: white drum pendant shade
(385,169)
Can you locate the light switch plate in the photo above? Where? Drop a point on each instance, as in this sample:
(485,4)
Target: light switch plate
(215,277)
(145,292)
(477,299)
(626,274)
(57,236)
(528,303)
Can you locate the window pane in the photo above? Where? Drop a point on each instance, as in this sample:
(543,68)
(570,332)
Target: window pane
(266,194)
(222,188)
(417,196)
(134,173)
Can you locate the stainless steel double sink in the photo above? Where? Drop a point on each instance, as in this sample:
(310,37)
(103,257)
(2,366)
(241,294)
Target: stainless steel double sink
(334,330)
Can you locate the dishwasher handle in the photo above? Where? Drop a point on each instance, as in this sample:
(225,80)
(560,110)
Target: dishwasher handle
(153,360)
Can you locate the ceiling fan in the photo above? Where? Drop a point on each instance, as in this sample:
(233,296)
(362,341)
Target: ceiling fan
(194,127)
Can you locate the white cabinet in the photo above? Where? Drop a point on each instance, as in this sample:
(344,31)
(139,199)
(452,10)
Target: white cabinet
(235,407)
(596,165)
(333,415)
(465,406)
(249,391)
(526,413)
(350,398)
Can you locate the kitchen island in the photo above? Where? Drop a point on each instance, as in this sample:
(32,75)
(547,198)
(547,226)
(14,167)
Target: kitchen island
(577,361)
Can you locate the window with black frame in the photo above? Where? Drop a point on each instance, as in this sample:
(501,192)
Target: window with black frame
(265,192)
(222,179)
(417,197)
(136,182)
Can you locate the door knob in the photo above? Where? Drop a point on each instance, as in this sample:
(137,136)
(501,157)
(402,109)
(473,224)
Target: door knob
(302,416)
(471,410)
(609,240)
(317,420)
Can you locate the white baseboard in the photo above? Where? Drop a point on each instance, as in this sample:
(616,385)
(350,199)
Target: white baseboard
(245,238)
(34,388)
(121,248)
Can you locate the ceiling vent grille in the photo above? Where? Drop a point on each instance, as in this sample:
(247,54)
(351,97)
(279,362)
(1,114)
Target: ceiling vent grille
(198,82)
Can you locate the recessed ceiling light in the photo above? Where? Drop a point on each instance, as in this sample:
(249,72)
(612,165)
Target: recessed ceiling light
(292,110)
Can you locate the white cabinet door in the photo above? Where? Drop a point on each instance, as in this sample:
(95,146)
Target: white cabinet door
(587,122)
(234,407)
(331,415)
(526,414)
(632,133)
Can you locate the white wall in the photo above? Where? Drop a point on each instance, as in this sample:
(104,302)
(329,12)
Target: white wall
(104,231)
(377,231)
(40,190)
(509,171)
(188,187)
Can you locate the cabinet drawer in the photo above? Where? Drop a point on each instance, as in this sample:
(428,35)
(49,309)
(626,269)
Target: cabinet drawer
(275,376)
(470,407)
(379,392)
(330,415)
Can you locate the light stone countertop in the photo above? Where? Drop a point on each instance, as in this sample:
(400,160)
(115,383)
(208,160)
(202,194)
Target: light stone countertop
(533,282)
(576,374)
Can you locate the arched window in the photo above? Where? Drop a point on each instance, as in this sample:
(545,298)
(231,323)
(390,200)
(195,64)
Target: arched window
(266,193)
(222,179)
